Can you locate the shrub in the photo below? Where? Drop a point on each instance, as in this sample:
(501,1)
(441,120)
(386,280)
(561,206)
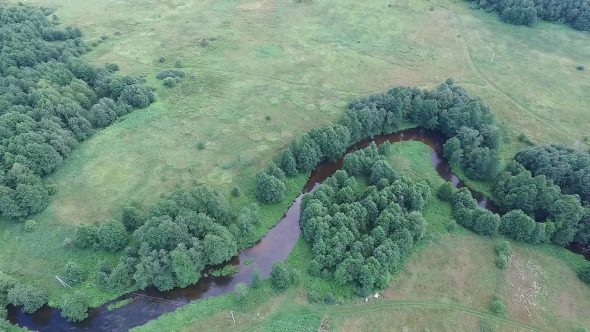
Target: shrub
(173,73)
(137,95)
(329,298)
(267,118)
(112,235)
(161,59)
(498,307)
(112,67)
(74,273)
(269,189)
(314,297)
(584,274)
(235,191)
(201,146)
(132,217)
(581,68)
(74,307)
(170,82)
(256,280)
(503,248)
(241,293)
(86,236)
(29,297)
(281,276)
(30,225)
(445,192)
(501,261)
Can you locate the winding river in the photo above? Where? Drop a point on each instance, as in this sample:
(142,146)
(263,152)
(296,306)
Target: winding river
(275,245)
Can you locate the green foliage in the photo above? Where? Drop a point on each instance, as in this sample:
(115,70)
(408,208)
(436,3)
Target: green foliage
(256,281)
(363,236)
(112,235)
(112,67)
(445,191)
(74,273)
(241,293)
(132,217)
(74,306)
(497,306)
(503,248)
(269,189)
(528,12)
(281,276)
(501,261)
(584,274)
(517,189)
(517,225)
(86,236)
(225,271)
(30,225)
(29,297)
(51,99)
(288,164)
(170,82)
(235,191)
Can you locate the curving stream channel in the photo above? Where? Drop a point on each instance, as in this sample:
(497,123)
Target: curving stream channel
(275,245)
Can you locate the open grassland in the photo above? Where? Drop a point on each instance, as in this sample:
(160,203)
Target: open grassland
(298,63)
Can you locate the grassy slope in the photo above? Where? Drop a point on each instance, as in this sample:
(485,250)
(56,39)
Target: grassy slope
(447,285)
(298,63)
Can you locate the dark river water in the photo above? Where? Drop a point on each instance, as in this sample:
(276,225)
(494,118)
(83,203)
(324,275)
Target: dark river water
(276,245)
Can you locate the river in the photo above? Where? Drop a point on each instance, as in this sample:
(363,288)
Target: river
(276,245)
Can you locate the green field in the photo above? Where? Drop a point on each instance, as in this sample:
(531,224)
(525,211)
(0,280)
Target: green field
(299,63)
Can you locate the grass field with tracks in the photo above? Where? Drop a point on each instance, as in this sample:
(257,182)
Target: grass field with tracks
(260,73)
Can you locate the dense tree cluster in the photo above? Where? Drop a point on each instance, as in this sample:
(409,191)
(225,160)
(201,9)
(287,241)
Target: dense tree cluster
(540,199)
(50,100)
(568,168)
(176,240)
(473,138)
(467,212)
(528,12)
(362,236)
(30,298)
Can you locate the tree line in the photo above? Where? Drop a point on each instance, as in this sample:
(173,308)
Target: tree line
(473,139)
(576,13)
(50,100)
(361,235)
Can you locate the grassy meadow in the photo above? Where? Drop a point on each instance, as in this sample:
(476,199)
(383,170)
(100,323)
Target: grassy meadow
(260,73)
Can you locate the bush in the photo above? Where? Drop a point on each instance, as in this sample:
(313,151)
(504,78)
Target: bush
(112,235)
(112,67)
(137,95)
(314,297)
(241,293)
(269,189)
(86,236)
(503,248)
(501,261)
(30,225)
(329,298)
(445,192)
(29,297)
(74,273)
(581,68)
(235,191)
(74,307)
(201,146)
(498,307)
(132,217)
(281,276)
(170,82)
(256,280)
(584,274)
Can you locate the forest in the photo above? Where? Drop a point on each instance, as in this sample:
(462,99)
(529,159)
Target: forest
(50,101)
(362,234)
(576,13)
